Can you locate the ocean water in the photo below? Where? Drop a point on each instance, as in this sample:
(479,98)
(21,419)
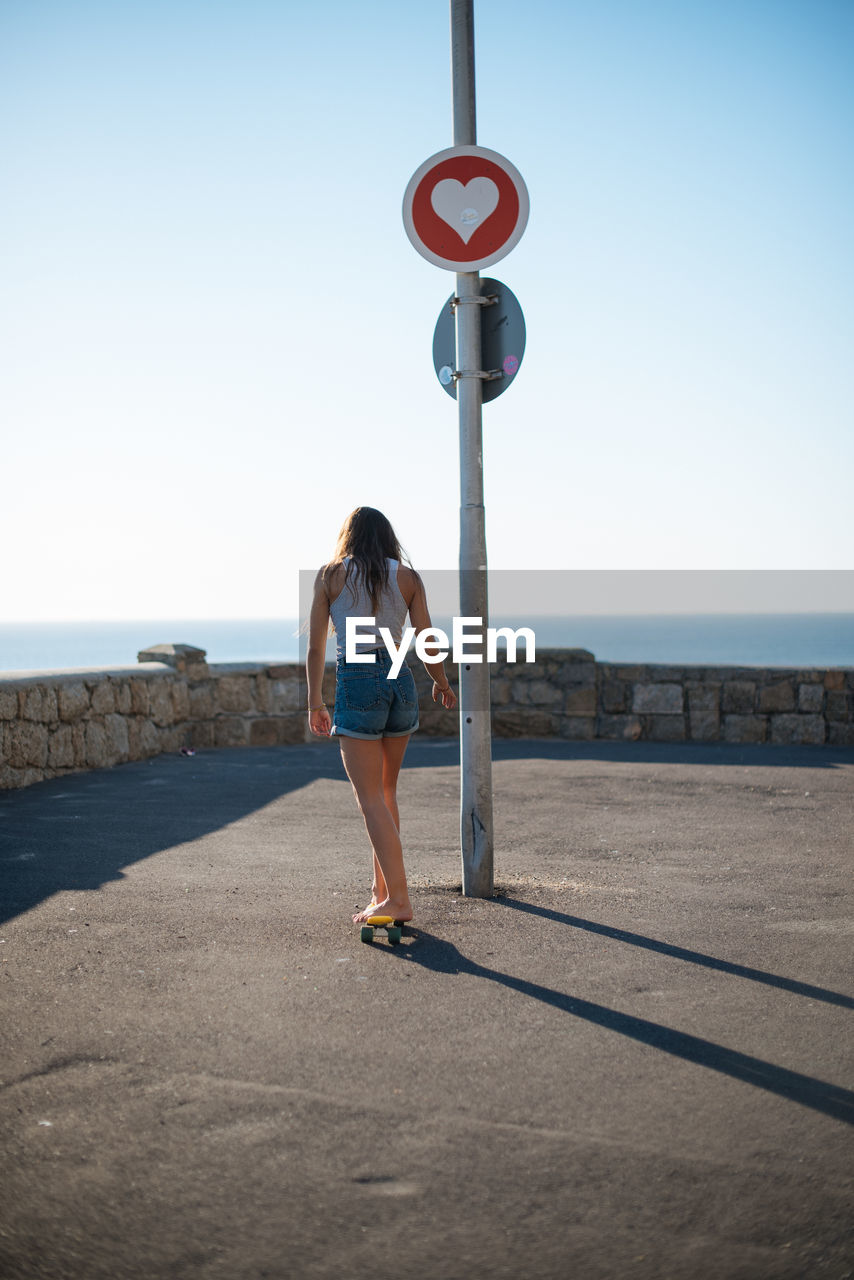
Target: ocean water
(50,646)
(786,640)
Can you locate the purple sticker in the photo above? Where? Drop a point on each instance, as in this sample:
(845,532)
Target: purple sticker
(510,365)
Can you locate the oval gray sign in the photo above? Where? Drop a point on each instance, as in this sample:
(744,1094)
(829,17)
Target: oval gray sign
(502,328)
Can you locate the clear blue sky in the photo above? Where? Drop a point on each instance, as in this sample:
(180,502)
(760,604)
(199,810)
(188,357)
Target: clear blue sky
(216,338)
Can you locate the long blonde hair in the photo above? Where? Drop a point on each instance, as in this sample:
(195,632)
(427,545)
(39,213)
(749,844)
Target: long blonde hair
(369,540)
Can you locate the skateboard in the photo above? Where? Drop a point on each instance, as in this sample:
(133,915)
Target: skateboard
(393,929)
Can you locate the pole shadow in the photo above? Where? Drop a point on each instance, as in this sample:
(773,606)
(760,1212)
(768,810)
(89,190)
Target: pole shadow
(440,956)
(681,953)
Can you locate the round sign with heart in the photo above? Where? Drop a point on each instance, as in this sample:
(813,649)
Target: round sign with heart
(465,208)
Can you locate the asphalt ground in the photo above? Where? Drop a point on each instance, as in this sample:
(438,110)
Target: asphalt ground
(634,1061)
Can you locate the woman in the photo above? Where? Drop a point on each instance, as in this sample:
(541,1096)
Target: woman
(373,715)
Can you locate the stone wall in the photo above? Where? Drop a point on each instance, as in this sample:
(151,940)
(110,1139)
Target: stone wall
(54,723)
(567,694)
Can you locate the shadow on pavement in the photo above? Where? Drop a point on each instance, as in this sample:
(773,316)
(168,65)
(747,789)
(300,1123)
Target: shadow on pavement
(81,831)
(681,953)
(440,956)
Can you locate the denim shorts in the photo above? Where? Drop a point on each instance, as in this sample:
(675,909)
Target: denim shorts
(368,705)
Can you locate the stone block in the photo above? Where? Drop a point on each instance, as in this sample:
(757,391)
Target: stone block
(657,699)
(738,728)
(839,706)
(499,691)
(78,744)
(161,708)
(811,697)
(8,704)
(520,722)
(633,674)
(543,694)
(202,735)
(840,735)
(97,746)
(661,674)
(116,728)
(230,731)
(787,728)
(181,700)
(140,699)
(519,693)
(201,702)
(263,695)
(60,748)
(626,728)
(73,701)
(575,673)
(834,680)
(102,699)
(233,693)
(197,671)
(614,696)
(39,702)
(143,739)
(294,728)
(121,693)
(172,738)
(265,732)
(27,744)
(291,694)
(665,729)
(580,702)
(8,777)
(179,656)
(15,779)
(777,697)
(704,718)
(738,697)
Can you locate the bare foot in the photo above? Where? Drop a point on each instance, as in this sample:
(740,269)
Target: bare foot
(397,908)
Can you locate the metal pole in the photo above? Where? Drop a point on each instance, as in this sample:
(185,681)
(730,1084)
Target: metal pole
(476,837)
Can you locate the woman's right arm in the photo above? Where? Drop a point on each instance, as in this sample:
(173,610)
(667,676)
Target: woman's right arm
(319,718)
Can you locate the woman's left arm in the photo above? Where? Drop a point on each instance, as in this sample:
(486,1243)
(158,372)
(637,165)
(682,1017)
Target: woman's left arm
(319,718)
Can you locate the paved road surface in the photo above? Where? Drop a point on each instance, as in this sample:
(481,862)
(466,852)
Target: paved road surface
(634,1062)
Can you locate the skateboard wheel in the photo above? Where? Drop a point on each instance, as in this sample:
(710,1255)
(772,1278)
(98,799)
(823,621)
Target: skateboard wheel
(394,935)
(367,933)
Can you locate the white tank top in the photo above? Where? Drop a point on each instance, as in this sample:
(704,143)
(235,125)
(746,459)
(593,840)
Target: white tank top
(354,601)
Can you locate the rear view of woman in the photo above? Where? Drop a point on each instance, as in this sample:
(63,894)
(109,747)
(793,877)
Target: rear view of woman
(373,715)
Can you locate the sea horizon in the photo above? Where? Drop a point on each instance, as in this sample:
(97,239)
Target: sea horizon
(762,639)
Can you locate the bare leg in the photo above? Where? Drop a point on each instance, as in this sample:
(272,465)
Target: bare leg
(394,750)
(364,762)
(379,889)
